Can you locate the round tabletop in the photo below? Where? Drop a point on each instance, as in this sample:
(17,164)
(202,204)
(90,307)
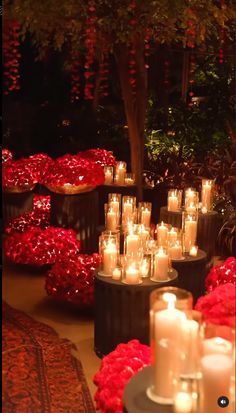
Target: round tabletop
(135,398)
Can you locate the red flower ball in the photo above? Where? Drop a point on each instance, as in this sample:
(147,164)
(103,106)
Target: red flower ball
(39,164)
(100,156)
(218,307)
(38,247)
(221,274)
(6,155)
(116,370)
(72,280)
(75,171)
(18,176)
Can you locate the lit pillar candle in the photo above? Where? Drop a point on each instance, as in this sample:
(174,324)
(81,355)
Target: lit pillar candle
(127,210)
(109,258)
(167,334)
(144,268)
(189,196)
(193,251)
(108,177)
(216,375)
(115,205)
(162,234)
(146,217)
(190,233)
(206,195)
(172,236)
(111,221)
(183,402)
(191,207)
(120,173)
(161,267)
(172,203)
(116,274)
(143,234)
(190,347)
(216,345)
(175,252)
(132,275)
(132,245)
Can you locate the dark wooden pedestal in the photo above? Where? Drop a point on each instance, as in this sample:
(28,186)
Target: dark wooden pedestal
(206,229)
(122,312)
(79,212)
(15,204)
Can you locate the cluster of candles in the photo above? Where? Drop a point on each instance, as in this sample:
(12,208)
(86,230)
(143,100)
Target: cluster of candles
(191,199)
(193,362)
(147,252)
(118,175)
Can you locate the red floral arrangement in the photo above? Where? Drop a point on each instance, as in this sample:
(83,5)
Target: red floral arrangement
(6,155)
(100,156)
(72,280)
(17,176)
(221,274)
(116,370)
(71,172)
(38,247)
(39,164)
(218,307)
(39,217)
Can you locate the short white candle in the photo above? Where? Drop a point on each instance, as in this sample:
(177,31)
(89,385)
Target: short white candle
(116,274)
(190,234)
(132,245)
(216,345)
(161,267)
(109,258)
(204,210)
(146,217)
(206,195)
(129,181)
(183,402)
(162,234)
(108,177)
(216,375)
(132,275)
(175,252)
(193,251)
(172,203)
(112,220)
(172,236)
(167,329)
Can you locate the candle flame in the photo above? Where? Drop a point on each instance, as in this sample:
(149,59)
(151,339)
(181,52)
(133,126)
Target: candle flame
(170,299)
(219,340)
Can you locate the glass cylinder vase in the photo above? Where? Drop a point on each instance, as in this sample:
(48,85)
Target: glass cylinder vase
(109,249)
(128,210)
(174,200)
(144,213)
(169,308)
(120,173)
(189,223)
(108,172)
(191,200)
(207,195)
(129,179)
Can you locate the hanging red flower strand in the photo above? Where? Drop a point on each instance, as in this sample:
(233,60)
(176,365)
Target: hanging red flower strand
(147,47)
(103,71)
(11,56)
(221,36)
(90,45)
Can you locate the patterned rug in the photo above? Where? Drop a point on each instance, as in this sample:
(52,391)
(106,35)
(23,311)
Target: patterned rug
(39,373)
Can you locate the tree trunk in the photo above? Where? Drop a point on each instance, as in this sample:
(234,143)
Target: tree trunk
(135,105)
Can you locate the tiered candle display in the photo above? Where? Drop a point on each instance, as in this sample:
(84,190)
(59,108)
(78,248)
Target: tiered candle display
(207,192)
(174,200)
(168,313)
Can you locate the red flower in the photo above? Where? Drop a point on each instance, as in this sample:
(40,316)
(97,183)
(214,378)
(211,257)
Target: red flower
(18,174)
(221,274)
(6,155)
(100,156)
(38,247)
(72,280)
(116,370)
(218,307)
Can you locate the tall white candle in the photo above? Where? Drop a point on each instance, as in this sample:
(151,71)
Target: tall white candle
(132,245)
(189,196)
(120,174)
(144,268)
(146,217)
(162,234)
(132,275)
(115,205)
(111,221)
(109,258)
(183,402)
(127,212)
(172,203)
(167,335)
(161,266)
(216,374)
(217,345)
(206,195)
(190,347)
(190,233)
(172,236)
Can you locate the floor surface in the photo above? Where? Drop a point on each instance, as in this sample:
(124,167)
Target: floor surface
(25,291)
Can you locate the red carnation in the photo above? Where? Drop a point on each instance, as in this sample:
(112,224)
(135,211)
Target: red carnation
(221,274)
(6,155)
(18,176)
(100,156)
